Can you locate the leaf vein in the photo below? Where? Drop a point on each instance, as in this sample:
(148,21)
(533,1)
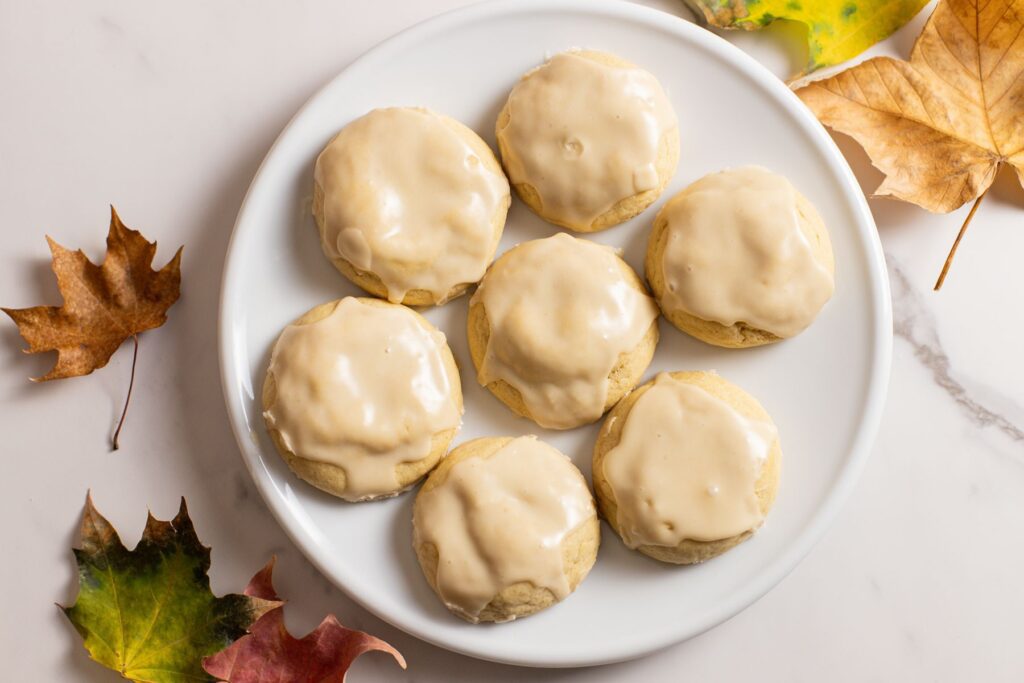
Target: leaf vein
(941,77)
(885,84)
(1005,52)
(113,588)
(995,24)
(1009,89)
(187,636)
(156,615)
(924,107)
(945,43)
(981,82)
(957,19)
(100,638)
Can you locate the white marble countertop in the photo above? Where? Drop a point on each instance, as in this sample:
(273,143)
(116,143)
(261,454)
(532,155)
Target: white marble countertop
(166,109)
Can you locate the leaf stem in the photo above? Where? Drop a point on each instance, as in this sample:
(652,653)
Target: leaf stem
(956,242)
(128,398)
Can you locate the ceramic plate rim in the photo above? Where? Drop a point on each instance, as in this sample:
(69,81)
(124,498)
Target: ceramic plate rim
(232,380)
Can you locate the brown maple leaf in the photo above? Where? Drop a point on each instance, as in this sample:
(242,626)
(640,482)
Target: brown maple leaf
(940,125)
(103,305)
(270,653)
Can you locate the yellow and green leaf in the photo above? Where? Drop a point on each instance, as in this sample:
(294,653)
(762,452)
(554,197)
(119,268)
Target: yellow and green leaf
(837,30)
(148,613)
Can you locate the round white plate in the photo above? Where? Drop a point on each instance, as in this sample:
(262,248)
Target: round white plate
(825,388)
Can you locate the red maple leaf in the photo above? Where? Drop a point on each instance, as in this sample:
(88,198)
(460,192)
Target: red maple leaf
(269,654)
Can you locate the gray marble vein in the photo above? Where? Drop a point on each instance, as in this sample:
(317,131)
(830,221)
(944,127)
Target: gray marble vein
(915,324)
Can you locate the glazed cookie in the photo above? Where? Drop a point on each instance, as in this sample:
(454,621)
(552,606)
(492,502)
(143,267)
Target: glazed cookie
(410,205)
(588,140)
(362,397)
(686,467)
(740,258)
(504,528)
(560,329)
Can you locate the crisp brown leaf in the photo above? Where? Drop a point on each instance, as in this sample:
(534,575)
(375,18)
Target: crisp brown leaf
(269,654)
(940,125)
(103,305)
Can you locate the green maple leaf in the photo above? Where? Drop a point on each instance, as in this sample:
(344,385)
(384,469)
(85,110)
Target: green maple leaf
(837,30)
(148,613)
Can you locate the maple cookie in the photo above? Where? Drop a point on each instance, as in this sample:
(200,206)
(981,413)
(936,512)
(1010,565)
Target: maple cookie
(410,205)
(740,258)
(362,397)
(588,140)
(560,329)
(504,528)
(686,467)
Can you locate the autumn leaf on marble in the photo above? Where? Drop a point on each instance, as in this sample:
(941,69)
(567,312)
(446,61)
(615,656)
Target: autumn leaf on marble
(939,126)
(103,305)
(148,613)
(270,653)
(837,30)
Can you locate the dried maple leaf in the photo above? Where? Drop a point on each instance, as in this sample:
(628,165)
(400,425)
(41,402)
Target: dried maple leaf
(148,613)
(270,653)
(940,125)
(103,305)
(837,30)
